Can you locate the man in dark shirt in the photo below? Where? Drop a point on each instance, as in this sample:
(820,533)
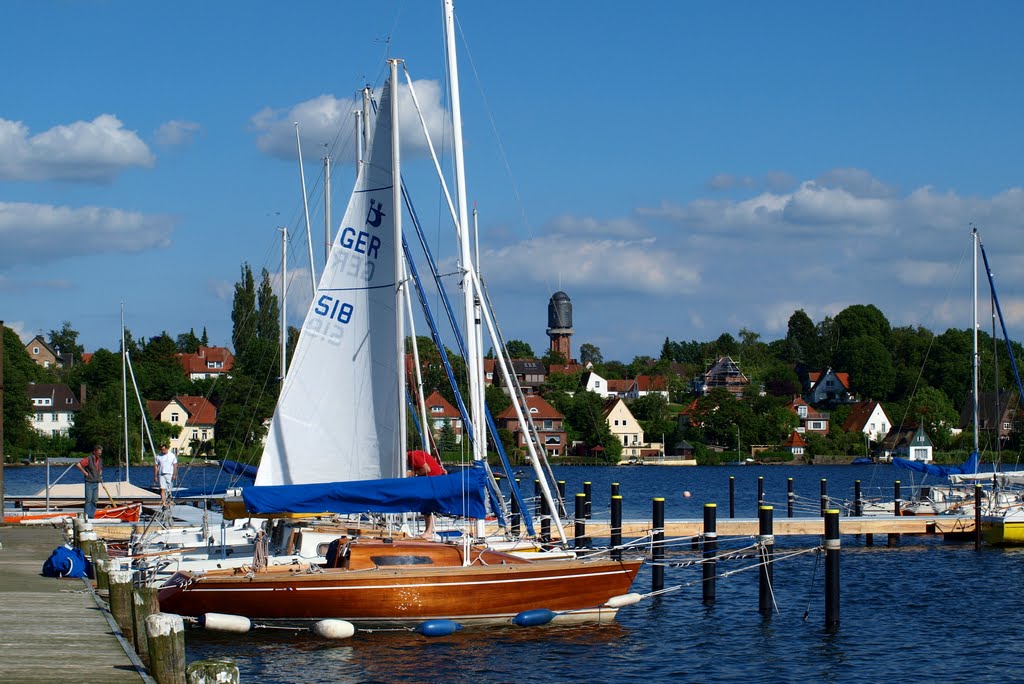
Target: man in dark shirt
(92,468)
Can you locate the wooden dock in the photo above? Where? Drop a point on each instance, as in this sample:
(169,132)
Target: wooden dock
(937,524)
(53,629)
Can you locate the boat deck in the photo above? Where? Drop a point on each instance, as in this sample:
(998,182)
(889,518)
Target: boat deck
(53,629)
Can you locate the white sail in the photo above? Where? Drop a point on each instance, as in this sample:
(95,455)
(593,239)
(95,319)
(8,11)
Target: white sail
(338,415)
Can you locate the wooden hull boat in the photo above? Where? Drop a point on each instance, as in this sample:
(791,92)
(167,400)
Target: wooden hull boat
(381,583)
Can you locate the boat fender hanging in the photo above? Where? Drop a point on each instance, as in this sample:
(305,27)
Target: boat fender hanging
(436,628)
(334,629)
(533,618)
(623,600)
(221,622)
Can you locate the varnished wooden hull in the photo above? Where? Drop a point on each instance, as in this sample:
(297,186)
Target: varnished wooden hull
(490,592)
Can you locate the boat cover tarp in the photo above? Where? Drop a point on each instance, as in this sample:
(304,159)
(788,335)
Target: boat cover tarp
(968,467)
(236,468)
(459,494)
(231,468)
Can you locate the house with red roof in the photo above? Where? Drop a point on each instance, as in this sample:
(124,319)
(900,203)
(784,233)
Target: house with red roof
(196,416)
(648,384)
(870,418)
(811,419)
(440,412)
(545,418)
(795,444)
(207,362)
(829,387)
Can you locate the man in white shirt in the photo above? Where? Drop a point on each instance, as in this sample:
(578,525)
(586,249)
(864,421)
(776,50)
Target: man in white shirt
(165,471)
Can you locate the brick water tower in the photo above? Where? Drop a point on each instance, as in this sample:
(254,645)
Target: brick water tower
(560,324)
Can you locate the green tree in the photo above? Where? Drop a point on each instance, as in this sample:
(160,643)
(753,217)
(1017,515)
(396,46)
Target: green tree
(802,339)
(65,341)
(553,358)
(188,343)
(517,349)
(446,441)
(243,310)
(590,353)
(19,370)
(869,363)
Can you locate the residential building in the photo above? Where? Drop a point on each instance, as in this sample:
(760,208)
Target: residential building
(829,388)
(207,362)
(648,384)
(546,419)
(42,353)
(619,388)
(795,444)
(917,448)
(196,416)
(996,414)
(724,373)
(530,373)
(592,382)
(870,418)
(439,413)
(811,420)
(53,408)
(624,427)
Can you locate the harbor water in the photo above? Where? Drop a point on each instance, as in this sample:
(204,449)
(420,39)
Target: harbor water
(923,608)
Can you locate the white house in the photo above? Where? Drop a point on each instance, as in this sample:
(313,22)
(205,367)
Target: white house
(870,418)
(592,382)
(54,408)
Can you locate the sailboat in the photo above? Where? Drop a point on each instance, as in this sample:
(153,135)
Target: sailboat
(337,445)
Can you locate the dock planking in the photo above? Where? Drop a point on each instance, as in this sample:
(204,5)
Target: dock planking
(52,629)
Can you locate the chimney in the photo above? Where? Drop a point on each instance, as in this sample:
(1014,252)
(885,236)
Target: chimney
(81,393)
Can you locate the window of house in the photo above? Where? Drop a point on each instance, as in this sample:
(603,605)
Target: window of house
(39,417)
(817,425)
(436,409)
(1006,426)
(195,434)
(438,424)
(548,424)
(872,427)
(174,417)
(35,350)
(204,434)
(55,418)
(553,439)
(625,440)
(829,383)
(55,433)
(801,411)
(46,364)
(67,400)
(534,410)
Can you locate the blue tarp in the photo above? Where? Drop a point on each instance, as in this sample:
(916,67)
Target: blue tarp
(66,562)
(229,467)
(968,467)
(458,494)
(236,468)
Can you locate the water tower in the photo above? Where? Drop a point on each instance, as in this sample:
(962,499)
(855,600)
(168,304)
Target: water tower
(560,324)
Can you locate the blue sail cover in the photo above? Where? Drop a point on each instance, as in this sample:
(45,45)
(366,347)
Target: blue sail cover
(968,467)
(236,468)
(458,494)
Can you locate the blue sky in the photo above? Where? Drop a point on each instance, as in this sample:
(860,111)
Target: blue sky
(679,169)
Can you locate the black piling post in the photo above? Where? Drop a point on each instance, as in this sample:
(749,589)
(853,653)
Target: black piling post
(710,550)
(760,490)
(824,496)
(658,545)
(977,516)
(832,544)
(538,496)
(615,539)
(545,520)
(586,493)
(581,520)
(858,503)
(732,497)
(790,497)
(893,537)
(766,538)
(561,498)
(516,514)
(615,488)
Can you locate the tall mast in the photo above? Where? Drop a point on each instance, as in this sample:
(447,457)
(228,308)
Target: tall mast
(284,302)
(974,334)
(470,301)
(124,395)
(327,209)
(396,204)
(305,208)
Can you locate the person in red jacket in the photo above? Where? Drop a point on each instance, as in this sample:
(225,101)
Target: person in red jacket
(422,464)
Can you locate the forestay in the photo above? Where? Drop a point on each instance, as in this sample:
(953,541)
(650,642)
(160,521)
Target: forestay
(338,415)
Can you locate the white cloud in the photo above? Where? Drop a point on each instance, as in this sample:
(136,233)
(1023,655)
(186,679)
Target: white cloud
(39,233)
(327,120)
(92,151)
(21,329)
(177,132)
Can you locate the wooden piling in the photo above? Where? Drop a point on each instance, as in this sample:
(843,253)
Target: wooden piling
(615,539)
(165,634)
(586,493)
(732,496)
(710,550)
(212,672)
(121,602)
(832,544)
(977,516)
(144,604)
(894,538)
(766,539)
(102,568)
(790,497)
(824,496)
(658,544)
(581,520)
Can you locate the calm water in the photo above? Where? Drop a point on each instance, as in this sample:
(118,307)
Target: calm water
(926,608)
